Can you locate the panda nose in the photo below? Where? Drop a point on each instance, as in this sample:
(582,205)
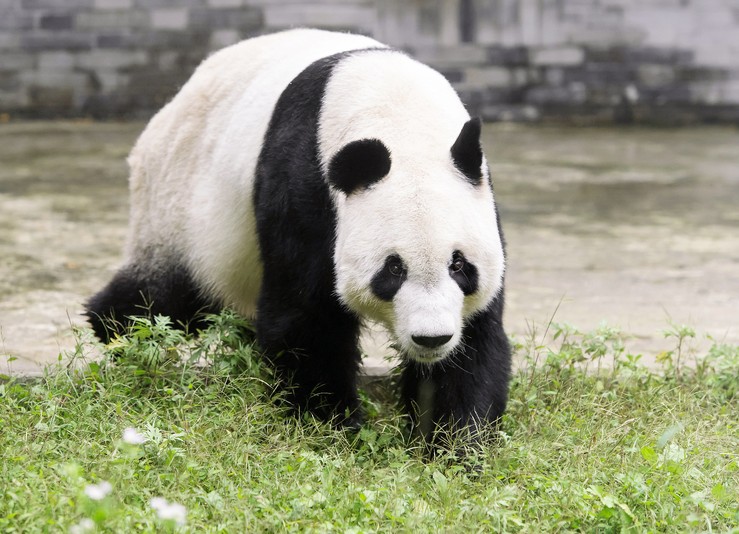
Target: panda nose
(431,342)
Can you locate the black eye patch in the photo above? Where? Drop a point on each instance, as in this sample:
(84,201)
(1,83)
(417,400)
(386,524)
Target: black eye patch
(386,283)
(464,273)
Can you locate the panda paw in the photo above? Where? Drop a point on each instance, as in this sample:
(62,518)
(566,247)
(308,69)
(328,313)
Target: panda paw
(350,420)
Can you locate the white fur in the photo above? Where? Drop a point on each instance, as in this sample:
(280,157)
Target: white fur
(423,210)
(201,150)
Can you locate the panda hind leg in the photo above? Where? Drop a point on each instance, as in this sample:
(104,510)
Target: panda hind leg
(132,293)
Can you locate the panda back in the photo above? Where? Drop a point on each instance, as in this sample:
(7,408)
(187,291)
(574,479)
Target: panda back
(192,169)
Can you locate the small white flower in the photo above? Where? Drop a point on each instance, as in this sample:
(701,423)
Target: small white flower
(98,492)
(169,511)
(133,436)
(158,503)
(85,525)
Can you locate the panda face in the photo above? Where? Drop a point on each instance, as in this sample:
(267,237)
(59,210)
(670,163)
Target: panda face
(419,253)
(418,280)
(427,313)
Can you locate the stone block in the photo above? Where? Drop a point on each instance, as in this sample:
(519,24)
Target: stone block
(719,48)
(487,76)
(452,56)
(601,74)
(191,41)
(657,55)
(111,59)
(222,38)
(112,19)
(55,21)
(668,94)
(651,75)
(15,100)
(109,80)
(16,60)
(608,54)
(529,22)
(509,113)
(112,4)
(336,16)
(57,41)
(225,3)
(168,60)
(522,76)
(698,73)
(155,4)
(16,20)
(8,41)
(50,99)
(175,18)
(554,75)
(56,89)
(731,92)
(550,95)
(245,19)
(509,56)
(117,40)
(62,5)
(9,81)
(558,55)
(598,37)
(56,60)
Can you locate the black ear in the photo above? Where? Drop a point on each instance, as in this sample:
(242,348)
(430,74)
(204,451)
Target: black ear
(359,165)
(466,151)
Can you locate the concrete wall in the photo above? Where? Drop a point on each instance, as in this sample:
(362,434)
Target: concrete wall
(663,60)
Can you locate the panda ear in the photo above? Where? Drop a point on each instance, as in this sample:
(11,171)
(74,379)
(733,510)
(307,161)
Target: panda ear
(358,165)
(467,153)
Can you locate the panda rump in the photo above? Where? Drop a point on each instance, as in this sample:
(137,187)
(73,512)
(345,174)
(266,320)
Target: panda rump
(313,181)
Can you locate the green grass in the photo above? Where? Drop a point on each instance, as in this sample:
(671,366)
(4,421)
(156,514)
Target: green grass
(585,446)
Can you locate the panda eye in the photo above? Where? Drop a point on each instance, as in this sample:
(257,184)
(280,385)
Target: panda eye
(388,280)
(458,262)
(395,267)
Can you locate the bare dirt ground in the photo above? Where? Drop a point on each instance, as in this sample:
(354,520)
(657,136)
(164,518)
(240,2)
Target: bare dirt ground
(632,227)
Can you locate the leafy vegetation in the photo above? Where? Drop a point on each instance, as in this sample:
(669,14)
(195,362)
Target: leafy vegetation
(182,434)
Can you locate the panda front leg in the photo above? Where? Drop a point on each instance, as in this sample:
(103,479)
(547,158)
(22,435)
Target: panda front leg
(312,345)
(469,389)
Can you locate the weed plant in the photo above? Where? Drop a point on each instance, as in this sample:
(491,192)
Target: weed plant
(170,432)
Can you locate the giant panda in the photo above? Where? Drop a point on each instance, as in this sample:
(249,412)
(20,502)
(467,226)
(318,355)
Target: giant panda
(316,181)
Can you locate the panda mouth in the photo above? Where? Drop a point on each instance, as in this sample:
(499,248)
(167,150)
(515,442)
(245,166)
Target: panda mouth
(427,356)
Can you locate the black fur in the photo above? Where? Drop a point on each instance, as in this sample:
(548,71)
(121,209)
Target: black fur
(308,335)
(467,278)
(385,284)
(467,153)
(359,165)
(170,292)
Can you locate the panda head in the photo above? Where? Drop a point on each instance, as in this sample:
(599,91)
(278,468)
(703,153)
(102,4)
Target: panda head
(417,243)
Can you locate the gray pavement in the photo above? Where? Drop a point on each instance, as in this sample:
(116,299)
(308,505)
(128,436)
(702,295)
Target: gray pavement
(632,227)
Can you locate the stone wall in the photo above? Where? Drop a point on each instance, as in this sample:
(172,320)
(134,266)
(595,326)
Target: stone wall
(659,60)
